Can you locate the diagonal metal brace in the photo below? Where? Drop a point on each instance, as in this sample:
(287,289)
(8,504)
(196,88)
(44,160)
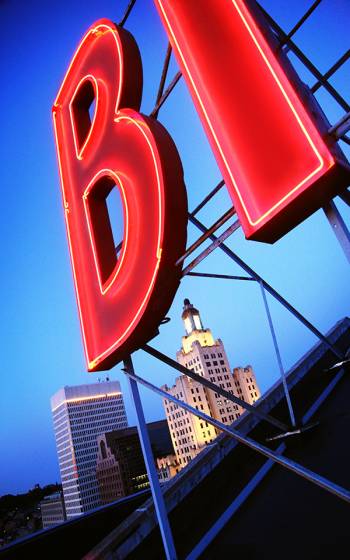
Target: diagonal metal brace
(229,396)
(218,241)
(268,288)
(289,464)
(165,95)
(221,221)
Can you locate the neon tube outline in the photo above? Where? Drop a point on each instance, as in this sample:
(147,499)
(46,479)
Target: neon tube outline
(285,95)
(141,125)
(105,286)
(79,153)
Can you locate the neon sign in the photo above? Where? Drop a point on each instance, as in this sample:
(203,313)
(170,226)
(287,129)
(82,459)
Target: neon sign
(275,161)
(270,143)
(121,300)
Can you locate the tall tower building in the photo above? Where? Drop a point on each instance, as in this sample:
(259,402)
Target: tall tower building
(80,415)
(206,356)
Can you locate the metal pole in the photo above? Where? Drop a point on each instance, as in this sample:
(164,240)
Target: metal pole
(218,241)
(278,356)
(220,222)
(158,499)
(283,37)
(332,70)
(165,95)
(127,13)
(268,288)
(262,449)
(216,388)
(303,19)
(224,518)
(339,227)
(163,77)
(221,276)
(345,196)
(208,197)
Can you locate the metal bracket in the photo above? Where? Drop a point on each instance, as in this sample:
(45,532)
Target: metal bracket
(339,227)
(295,432)
(341,127)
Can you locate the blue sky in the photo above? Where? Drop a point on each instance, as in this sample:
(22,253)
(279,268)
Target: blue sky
(40,334)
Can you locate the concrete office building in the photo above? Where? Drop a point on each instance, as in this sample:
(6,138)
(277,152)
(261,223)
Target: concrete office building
(80,415)
(121,468)
(206,356)
(52,510)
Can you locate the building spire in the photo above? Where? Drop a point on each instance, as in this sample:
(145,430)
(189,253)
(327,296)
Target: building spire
(191,318)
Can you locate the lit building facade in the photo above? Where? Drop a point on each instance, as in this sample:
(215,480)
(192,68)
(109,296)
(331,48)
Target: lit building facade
(246,385)
(167,468)
(52,510)
(204,355)
(121,468)
(80,415)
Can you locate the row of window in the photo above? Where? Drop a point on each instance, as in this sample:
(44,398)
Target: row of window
(195,359)
(103,407)
(219,355)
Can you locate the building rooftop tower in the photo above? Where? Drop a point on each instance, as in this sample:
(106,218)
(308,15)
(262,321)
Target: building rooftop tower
(191,318)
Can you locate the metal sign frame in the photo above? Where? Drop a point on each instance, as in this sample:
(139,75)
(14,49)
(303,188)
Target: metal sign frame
(339,132)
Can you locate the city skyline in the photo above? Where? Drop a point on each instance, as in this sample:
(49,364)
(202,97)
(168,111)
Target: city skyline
(40,331)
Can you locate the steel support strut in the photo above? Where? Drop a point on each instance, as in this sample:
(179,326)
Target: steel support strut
(127,13)
(165,95)
(221,221)
(216,243)
(229,396)
(284,39)
(278,356)
(302,20)
(267,287)
(305,473)
(157,495)
(220,276)
(163,78)
(339,227)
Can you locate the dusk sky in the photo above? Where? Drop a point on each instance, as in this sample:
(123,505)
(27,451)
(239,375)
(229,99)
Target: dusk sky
(40,333)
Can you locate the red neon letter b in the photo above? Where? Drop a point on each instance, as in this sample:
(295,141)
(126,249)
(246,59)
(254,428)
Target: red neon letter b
(121,300)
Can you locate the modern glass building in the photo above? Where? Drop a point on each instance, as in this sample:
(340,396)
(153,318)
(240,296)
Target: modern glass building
(80,414)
